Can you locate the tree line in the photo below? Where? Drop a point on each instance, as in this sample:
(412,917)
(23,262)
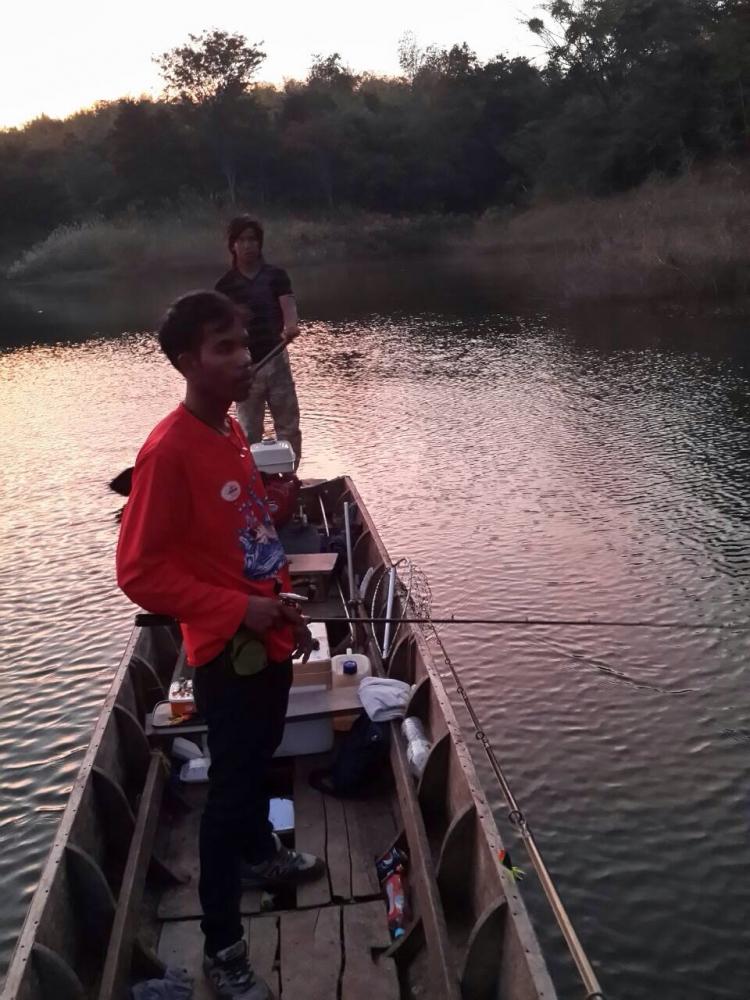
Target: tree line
(627,89)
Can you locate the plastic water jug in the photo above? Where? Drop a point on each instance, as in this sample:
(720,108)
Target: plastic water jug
(349,668)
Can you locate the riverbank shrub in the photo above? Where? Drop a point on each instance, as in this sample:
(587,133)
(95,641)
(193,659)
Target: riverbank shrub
(193,239)
(687,237)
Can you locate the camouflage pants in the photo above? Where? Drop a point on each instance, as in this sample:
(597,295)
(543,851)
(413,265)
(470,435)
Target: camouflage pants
(273,386)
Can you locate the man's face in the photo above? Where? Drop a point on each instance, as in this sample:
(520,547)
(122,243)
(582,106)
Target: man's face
(247,248)
(222,366)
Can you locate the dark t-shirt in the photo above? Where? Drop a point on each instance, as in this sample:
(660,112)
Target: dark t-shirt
(261,296)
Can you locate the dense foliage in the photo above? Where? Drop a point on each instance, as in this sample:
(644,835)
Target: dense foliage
(630,88)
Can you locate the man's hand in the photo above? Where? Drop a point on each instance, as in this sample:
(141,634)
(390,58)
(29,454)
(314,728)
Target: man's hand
(304,642)
(262,613)
(289,333)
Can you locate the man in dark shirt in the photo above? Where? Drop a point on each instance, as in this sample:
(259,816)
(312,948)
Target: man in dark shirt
(264,294)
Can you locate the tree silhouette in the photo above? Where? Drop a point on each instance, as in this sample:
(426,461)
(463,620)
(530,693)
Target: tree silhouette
(628,89)
(214,66)
(212,74)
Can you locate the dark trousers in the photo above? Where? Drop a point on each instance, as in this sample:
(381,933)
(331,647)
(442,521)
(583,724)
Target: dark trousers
(245,718)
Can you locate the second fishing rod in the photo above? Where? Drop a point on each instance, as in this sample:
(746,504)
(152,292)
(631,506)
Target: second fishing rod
(694,626)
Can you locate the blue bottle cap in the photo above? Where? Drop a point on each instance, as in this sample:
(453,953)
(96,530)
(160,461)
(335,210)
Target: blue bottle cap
(349,667)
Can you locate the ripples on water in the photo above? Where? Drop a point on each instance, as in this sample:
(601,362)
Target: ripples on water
(528,466)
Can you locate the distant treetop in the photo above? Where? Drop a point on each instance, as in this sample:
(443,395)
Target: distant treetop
(211,66)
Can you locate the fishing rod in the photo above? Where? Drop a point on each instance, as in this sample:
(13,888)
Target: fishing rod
(546,623)
(274,353)
(519,821)
(122,483)
(422,616)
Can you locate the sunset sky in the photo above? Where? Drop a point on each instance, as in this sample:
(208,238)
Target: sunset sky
(58,57)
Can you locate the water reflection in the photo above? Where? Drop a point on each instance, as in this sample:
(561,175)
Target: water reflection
(527,463)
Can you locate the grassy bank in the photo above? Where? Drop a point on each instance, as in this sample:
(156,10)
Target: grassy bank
(193,239)
(684,238)
(689,237)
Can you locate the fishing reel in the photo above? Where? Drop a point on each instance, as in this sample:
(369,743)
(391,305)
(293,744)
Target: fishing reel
(296,601)
(293,600)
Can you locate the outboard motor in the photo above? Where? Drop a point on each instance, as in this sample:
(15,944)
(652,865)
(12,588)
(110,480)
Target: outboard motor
(275,462)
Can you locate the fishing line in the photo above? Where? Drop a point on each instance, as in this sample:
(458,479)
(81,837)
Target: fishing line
(605,668)
(738,735)
(417,598)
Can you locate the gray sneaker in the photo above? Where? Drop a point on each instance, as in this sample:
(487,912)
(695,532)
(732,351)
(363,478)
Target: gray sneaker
(232,977)
(286,867)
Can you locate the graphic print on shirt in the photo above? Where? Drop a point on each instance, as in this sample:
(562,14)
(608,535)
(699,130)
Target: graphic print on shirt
(264,554)
(231,490)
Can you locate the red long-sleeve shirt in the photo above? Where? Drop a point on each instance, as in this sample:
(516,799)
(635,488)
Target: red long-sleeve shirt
(197,538)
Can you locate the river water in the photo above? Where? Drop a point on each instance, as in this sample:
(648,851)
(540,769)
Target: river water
(570,465)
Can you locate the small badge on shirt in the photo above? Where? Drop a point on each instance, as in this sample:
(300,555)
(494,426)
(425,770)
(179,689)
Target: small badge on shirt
(231,490)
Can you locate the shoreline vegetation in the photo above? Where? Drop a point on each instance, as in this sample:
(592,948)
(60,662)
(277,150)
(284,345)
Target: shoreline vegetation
(684,238)
(616,165)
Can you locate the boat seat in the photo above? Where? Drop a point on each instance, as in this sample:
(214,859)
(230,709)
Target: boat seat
(314,569)
(320,703)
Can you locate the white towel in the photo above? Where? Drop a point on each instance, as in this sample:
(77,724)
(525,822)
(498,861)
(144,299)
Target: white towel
(384,698)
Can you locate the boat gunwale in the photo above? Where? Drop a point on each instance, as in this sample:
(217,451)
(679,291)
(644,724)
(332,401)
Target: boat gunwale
(27,938)
(485,818)
(18,969)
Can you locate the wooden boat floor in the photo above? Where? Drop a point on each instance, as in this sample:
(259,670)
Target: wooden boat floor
(322,941)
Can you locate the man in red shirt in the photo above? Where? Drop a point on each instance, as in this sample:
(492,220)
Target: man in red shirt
(197,542)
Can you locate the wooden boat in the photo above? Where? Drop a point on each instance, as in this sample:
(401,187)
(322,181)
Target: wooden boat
(117,899)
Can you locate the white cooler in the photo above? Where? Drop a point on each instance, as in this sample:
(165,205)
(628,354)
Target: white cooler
(307,735)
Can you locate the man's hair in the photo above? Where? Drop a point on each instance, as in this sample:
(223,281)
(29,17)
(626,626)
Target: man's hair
(187,320)
(237,227)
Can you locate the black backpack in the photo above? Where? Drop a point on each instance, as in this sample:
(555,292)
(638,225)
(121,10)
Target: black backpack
(361,762)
